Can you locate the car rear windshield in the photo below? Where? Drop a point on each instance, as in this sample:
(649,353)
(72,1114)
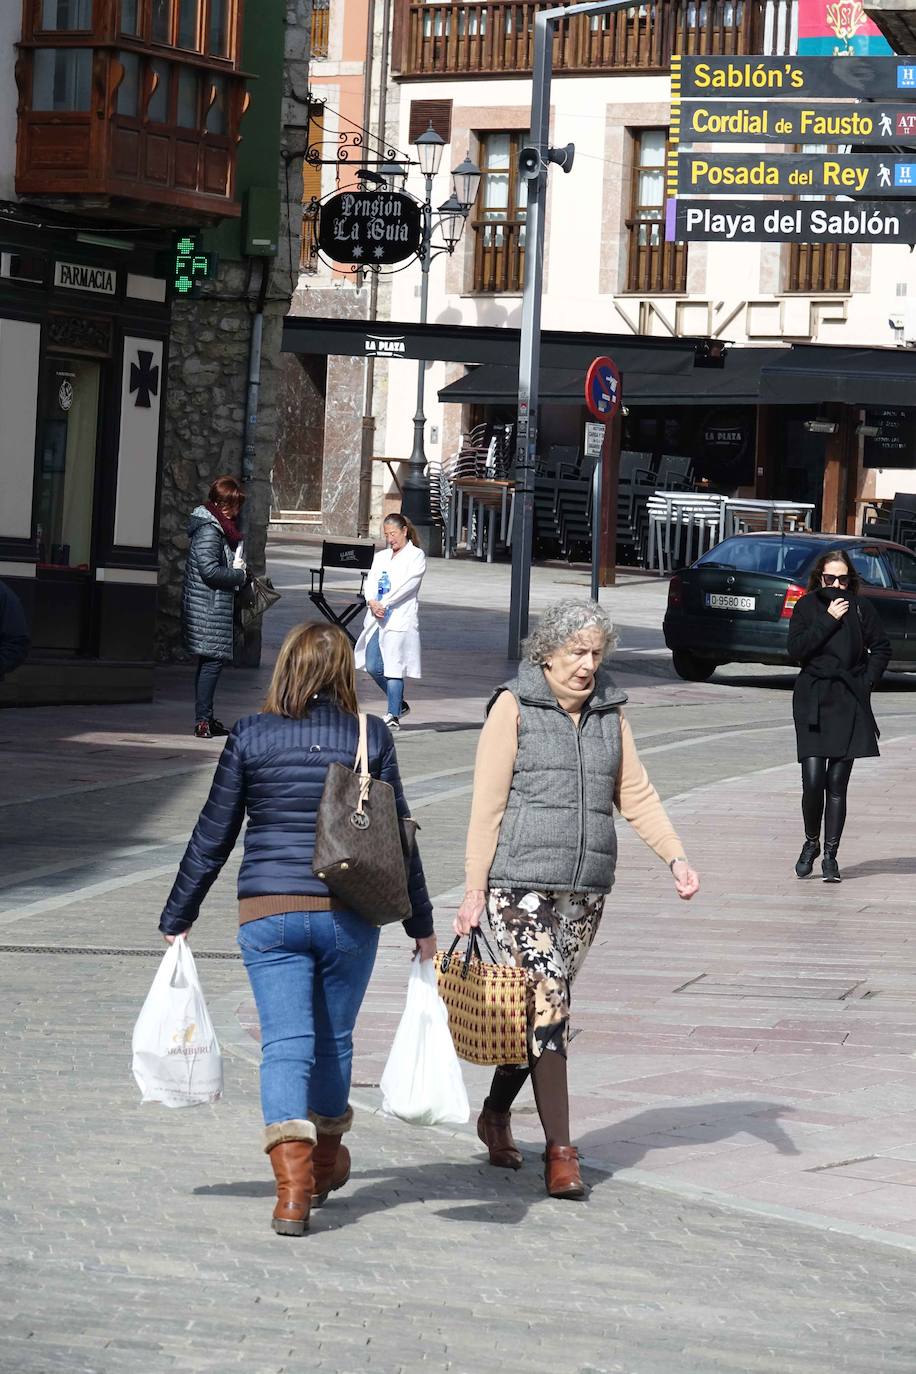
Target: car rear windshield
(787,557)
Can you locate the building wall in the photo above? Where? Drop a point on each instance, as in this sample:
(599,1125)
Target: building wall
(734,291)
(10,33)
(208,367)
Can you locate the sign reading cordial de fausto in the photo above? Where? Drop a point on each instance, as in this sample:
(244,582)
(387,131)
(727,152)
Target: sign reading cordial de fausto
(369,228)
(764,121)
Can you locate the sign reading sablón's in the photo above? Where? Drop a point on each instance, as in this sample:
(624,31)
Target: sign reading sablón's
(795,78)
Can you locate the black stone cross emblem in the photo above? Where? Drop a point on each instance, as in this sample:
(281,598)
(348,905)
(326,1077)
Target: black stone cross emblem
(144,378)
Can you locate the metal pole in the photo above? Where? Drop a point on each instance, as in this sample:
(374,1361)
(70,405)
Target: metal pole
(597,474)
(415,487)
(529,357)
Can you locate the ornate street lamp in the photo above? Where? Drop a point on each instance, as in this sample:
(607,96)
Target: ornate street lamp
(450,220)
(395,175)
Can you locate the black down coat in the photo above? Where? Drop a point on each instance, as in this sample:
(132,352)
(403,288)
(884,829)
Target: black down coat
(841,663)
(274,769)
(210,584)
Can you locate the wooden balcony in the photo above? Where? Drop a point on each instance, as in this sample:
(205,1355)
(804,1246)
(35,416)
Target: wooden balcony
(496,37)
(145,121)
(499,255)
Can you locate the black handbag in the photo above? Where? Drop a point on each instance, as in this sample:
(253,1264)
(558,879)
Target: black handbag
(254,598)
(363,848)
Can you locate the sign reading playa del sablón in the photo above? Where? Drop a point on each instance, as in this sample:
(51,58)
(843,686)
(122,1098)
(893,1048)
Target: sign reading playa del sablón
(735,107)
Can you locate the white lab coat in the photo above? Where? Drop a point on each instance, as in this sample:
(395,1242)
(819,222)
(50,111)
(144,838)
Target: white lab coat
(399,634)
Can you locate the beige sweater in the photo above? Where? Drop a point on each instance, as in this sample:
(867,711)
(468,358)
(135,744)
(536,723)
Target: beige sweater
(635,797)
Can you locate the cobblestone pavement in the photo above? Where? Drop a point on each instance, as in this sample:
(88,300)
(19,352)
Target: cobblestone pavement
(743,1071)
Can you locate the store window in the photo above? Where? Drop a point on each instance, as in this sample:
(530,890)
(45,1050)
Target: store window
(62,79)
(129,89)
(161,26)
(130,16)
(188,36)
(66,15)
(157,107)
(188,115)
(65,487)
(653,265)
(218,40)
(499,225)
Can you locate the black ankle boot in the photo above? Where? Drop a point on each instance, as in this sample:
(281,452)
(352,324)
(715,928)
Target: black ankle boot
(805,865)
(829,866)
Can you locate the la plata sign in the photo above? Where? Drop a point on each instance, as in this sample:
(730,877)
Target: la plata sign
(369,229)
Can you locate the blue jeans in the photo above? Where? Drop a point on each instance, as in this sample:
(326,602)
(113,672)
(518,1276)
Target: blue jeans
(309,972)
(393,687)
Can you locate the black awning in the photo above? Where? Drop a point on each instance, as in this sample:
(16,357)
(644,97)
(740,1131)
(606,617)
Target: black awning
(737,382)
(469,344)
(814,373)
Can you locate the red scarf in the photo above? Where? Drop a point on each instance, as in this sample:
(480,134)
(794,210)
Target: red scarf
(227,524)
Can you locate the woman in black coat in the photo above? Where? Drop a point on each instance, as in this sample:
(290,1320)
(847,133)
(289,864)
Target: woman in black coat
(842,648)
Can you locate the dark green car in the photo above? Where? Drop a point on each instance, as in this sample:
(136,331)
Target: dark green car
(734,604)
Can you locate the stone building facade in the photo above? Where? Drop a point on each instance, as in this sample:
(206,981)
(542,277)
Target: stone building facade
(209,366)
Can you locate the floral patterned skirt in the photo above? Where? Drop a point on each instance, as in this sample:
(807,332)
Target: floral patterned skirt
(548,934)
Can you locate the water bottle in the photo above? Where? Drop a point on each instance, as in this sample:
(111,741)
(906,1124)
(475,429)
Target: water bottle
(384,587)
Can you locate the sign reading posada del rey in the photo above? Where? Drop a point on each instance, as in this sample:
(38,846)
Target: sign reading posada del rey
(818,174)
(369,228)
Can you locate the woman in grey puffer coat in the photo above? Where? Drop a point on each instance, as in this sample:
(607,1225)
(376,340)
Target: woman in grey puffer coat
(214,571)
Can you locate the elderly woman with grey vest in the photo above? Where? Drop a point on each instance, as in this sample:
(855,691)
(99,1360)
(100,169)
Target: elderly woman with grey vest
(555,757)
(214,572)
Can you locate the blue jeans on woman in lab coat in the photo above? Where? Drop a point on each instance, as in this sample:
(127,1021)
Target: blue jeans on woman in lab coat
(393,687)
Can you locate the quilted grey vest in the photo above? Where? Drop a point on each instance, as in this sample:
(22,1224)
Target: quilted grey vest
(558,828)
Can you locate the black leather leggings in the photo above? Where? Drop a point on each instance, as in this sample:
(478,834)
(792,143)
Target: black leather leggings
(825,779)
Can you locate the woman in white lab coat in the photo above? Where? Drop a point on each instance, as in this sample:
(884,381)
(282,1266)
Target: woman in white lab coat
(389,646)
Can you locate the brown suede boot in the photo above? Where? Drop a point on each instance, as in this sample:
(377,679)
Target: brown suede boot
(331,1159)
(495,1131)
(561,1172)
(290,1145)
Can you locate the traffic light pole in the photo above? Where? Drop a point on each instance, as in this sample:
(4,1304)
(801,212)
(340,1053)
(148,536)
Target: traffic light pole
(529,360)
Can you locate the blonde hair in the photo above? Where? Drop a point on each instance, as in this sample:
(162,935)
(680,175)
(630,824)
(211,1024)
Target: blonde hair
(312,658)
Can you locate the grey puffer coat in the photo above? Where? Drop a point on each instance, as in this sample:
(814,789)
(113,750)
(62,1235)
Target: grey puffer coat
(210,584)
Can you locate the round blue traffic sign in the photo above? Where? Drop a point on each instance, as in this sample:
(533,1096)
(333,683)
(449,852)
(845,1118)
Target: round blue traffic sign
(602,389)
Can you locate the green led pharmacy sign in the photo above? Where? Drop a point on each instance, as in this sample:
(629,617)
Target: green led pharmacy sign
(190,265)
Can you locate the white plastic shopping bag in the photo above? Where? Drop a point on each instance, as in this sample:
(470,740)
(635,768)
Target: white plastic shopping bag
(176,1053)
(422,1082)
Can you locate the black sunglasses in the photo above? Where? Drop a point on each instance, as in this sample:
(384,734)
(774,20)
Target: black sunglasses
(836,579)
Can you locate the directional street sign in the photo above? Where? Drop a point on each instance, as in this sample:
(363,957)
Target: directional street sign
(810,174)
(757,121)
(794,78)
(762,221)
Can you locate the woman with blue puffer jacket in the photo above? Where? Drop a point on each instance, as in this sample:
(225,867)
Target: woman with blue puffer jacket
(309,959)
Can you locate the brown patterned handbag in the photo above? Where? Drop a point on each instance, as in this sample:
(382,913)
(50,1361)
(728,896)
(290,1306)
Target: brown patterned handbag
(362,847)
(487,1004)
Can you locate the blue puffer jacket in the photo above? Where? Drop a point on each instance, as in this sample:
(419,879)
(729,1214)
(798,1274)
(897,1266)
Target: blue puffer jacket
(274,769)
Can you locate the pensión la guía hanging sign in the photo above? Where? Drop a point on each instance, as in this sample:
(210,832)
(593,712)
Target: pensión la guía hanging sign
(761,221)
(811,174)
(369,229)
(756,121)
(794,78)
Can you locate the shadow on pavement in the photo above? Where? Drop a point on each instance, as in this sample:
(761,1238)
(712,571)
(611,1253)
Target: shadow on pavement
(666,1128)
(874,868)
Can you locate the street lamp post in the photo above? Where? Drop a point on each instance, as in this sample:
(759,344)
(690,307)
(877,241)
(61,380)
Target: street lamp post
(449,219)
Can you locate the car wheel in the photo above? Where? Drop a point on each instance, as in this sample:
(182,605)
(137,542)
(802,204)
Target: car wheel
(691,668)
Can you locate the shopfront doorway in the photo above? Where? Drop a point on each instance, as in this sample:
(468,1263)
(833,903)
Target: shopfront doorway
(68,433)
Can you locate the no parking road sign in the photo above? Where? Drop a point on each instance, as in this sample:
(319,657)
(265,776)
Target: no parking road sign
(602,389)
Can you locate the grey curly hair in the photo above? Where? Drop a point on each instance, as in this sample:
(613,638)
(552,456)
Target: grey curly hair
(561,622)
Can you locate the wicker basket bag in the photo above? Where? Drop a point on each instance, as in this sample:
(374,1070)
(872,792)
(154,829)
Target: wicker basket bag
(487,1004)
